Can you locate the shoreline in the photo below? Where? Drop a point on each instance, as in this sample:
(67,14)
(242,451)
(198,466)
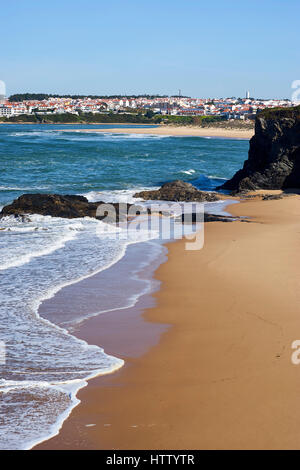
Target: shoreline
(205,365)
(154,129)
(180,131)
(119,345)
(79,123)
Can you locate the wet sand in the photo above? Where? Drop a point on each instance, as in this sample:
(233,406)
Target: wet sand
(221,376)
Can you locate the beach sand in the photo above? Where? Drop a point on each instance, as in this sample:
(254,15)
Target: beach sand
(179,131)
(221,375)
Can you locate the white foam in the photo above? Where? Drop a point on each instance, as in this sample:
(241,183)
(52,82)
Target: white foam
(48,364)
(18,188)
(188,172)
(51,235)
(118,195)
(216,177)
(52,263)
(118,135)
(218,208)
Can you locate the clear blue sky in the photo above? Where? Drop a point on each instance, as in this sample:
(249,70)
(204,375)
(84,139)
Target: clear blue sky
(206,48)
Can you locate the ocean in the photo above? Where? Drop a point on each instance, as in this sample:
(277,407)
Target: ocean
(45,364)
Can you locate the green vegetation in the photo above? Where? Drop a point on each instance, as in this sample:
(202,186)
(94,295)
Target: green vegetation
(147,117)
(22,118)
(46,96)
(85,118)
(138,118)
(192,120)
(277,113)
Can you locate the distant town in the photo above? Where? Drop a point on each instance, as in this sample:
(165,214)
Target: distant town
(225,108)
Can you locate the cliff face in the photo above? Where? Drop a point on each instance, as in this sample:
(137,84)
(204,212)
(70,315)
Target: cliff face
(274,154)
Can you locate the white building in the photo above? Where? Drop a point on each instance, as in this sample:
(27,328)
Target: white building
(5,111)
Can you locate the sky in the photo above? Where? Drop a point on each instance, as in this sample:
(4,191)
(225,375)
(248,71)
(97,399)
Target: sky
(207,49)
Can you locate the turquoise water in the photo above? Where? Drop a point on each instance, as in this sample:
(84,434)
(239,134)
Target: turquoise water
(45,364)
(43,158)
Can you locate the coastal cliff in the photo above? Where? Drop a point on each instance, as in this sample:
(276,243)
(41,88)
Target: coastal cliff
(274,154)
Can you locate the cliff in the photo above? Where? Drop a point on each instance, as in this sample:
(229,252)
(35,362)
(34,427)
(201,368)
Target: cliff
(274,154)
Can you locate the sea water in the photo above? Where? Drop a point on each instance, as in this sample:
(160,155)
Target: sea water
(45,363)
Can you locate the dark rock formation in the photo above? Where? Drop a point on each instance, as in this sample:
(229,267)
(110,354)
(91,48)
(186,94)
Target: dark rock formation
(178,191)
(193,217)
(69,206)
(271,197)
(274,154)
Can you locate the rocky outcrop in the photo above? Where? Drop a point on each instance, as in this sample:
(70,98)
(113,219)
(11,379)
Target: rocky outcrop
(193,217)
(274,154)
(69,206)
(178,191)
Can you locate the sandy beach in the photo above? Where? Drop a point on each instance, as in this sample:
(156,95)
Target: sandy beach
(221,375)
(179,131)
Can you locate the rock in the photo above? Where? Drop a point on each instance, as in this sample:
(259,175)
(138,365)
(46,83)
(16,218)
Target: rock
(71,206)
(274,154)
(178,191)
(219,218)
(271,197)
(68,206)
(193,217)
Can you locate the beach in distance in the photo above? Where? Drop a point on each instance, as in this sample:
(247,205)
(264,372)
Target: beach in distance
(183,131)
(150,229)
(159,346)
